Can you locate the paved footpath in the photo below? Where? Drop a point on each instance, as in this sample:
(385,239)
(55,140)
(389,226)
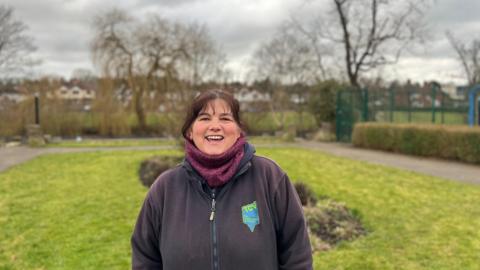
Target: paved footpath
(10,156)
(451,170)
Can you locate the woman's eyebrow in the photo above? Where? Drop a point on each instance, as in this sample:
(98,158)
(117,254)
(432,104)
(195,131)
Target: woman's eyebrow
(203,114)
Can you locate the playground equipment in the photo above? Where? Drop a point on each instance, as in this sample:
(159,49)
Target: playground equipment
(472,97)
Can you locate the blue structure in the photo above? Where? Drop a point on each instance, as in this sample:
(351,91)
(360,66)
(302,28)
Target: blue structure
(472,94)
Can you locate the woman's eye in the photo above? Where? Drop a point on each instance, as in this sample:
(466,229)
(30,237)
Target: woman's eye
(202,118)
(225,119)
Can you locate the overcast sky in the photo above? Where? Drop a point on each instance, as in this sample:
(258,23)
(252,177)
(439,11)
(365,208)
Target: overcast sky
(62,30)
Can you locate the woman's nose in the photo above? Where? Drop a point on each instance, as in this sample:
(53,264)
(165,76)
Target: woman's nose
(214,126)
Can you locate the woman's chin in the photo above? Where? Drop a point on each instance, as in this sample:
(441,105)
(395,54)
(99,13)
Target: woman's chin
(214,151)
(213,147)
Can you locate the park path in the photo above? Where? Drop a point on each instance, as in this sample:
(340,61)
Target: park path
(10,156)
(451,170)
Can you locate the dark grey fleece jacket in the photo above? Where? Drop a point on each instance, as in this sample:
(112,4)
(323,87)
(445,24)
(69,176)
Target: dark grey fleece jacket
(257,222)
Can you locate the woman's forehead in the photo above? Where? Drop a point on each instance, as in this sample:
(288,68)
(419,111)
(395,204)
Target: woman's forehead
(216,106)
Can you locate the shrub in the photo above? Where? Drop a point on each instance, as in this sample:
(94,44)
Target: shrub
(451,142)
(322,101)
(151,168)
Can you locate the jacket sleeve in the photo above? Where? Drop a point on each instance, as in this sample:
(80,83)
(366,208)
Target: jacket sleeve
(293,244)
(146,238)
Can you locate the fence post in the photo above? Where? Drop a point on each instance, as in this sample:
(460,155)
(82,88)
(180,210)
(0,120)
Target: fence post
(434,96)
(478,112)
(37,110)
(392,103)
(365,105)
(338,115)
(409,91)
(442,108)
(471,107)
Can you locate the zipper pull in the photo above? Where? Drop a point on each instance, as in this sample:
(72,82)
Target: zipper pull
(212,214)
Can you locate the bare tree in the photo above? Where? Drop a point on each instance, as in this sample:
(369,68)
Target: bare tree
(153,54)
(137,52)
(372,33)
(469,57)
(285,58)
(206,60)
(15,46)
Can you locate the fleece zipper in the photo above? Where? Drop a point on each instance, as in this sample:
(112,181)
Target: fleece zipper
(214,233)
(213,196)
(215,260)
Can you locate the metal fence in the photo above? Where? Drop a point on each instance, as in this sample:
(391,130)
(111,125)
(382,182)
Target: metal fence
(427,104)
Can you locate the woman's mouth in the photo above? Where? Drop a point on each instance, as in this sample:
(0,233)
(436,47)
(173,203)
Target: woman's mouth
(214,138)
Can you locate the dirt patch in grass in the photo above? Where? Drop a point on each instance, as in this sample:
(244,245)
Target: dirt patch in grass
(152,167)
(329,222)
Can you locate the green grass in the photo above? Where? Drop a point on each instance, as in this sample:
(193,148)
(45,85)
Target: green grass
(77,211)
(147,142)
(455,118)
(114,143)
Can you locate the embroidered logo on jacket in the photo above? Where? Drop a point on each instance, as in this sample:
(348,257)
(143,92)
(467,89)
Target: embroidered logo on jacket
(250,215)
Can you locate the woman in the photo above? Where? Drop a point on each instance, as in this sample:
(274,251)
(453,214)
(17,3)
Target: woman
(224,207)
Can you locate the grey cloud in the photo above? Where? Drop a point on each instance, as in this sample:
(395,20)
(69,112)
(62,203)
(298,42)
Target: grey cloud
(62,29)
(455,11)
(166,3)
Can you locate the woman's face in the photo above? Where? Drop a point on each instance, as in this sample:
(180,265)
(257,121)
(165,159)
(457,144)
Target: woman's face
(215,130)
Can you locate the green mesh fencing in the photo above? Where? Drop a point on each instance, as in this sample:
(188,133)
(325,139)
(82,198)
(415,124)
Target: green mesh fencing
(426,104)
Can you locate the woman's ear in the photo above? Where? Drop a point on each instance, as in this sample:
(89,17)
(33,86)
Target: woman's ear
(189,134)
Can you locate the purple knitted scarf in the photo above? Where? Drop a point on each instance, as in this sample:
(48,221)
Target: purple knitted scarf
(215,169)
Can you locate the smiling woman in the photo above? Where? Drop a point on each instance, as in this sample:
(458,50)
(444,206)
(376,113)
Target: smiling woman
(223,207)
(215,129)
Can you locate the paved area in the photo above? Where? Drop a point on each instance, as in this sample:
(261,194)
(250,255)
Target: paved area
(440,168)
(10,156)
(451,170)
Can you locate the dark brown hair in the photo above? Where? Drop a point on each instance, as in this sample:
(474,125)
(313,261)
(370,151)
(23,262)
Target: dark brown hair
(201,102)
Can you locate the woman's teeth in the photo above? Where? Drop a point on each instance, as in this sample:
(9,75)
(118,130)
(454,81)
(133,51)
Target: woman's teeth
(214,138)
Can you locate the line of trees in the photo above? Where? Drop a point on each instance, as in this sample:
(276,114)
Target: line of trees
(160,61)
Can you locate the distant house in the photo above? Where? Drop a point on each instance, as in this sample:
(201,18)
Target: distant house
(74,93)
(78,95)
(251,99)
(13,95)
(250,95)
(454,92)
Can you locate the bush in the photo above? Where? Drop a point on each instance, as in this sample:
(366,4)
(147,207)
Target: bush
(151,168)
(322,101)
(450,142)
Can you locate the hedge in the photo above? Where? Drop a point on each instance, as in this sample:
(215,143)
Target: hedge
(449,142)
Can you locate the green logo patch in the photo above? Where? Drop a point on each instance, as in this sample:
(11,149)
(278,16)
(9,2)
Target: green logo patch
(250,215)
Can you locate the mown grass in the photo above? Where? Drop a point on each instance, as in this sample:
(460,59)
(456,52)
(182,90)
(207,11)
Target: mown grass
(114,142)
(146,142)
(454,118)
(77,211)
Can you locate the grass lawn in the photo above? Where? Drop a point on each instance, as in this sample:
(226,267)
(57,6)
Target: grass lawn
(77,211)
(454,118)
(114,142)
(147,142)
